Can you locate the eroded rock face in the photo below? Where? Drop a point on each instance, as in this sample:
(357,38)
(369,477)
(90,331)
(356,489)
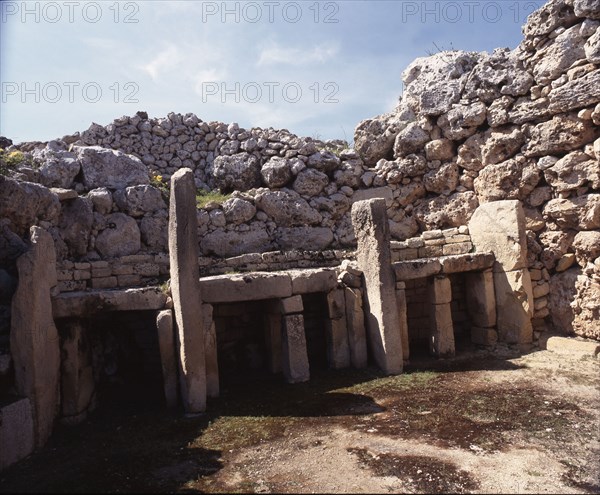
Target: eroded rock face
(240,172)
(114,169)
(120,237)
(230,243)
(443,212)
(75,225)
(287,208)
(137,201)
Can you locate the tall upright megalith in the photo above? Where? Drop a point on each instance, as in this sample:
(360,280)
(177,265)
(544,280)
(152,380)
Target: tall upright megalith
(185,290)
(34,342)
(371,228)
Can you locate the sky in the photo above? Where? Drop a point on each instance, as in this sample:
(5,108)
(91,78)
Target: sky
(314,68)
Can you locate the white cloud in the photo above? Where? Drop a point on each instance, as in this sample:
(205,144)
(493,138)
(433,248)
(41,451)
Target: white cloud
(277,54)
(166,59)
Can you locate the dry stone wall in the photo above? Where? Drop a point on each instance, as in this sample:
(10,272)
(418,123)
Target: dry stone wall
(470,128)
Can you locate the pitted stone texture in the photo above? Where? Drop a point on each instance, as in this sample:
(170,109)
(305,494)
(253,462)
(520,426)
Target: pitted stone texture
(310,182)
(230,243)
(168,359)
(443,212)
(245,287)
(137,201)
(309,238)
(238,211)
(572,171)
(276,172)
(481,298)
(355,320)
(287,208)
(580,213)
(238,172)
(514,306)
(121,236)
(499,227)
(34,341)
(185,289)
(374,259)
(110,168)
(102,200)
(75,225)
(295,358)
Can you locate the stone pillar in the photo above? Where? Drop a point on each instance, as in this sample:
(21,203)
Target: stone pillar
(168,356)
(210,350)
(481,305)
(355,323)
(499,227)
(338,347)
(34,342)
(185,289)
(77,373)
(403,319)
(294,360)
(441,341)
(371,228)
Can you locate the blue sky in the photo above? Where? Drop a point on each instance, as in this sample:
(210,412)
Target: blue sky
(315,68)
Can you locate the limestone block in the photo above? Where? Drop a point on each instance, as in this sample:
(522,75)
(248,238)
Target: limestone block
(338,347)
(295,358)
(355,323)
(313,280)
(210,351)
(514,306)
(481,298)
(408,270)
(370,223)
(385,192)
(77,373)
(245,287)
(466,262)
(34,341)
(336,304)
(441,343)
(499,227)
(440,290)
(185,290)
(484,336)
(402,318)
(291,304)
(168,359)
(16,431)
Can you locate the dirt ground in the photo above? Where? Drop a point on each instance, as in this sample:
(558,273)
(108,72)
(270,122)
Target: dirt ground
(475,424)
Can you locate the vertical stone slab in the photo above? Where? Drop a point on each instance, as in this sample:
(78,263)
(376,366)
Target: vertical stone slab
(499,227)
(481,298)
(355,323)
(295,357)
(403,319)
(168,356)
(185,289)
(16,431)
(373,255)
(441,342)
(34,339)
(210,350)
(338,347)
(77,373)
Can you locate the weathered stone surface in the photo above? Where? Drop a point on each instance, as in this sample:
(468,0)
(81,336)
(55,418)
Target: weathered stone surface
(573,171)
(75,224)
(24,203)
(155,233)
(565,345)
(384,192)
(295,358)
(34,339)
(185,289)
(587,246)
(440,290)
(312,280)
(506,180)
(121,236)
(276,172)
(549,17)
(552,61)
(480,298)
(336,304)
(587,8)
(592,48)
(442,212)
(231,243)
(443,179)
(410,140)
(462,120)
(484,336)
(168,358)
(58,167)
(514,306)
(324,160)
(355,321)
(493,146)
(88,303)
(289,305)
(110,168)
(137,201)
(238,211)
(238,172)
(580,213)
(64,194)
(374,259)
(310,182)
(441,338)
(210,350)
(499,227)
(374,139)
(287,208)
(309,238)
(421,268)
(561,134)
(338,348)
(466,262)
(245,287)
(16,431)
(102,200)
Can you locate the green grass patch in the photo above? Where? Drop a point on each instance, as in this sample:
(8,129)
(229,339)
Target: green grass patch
(204,197)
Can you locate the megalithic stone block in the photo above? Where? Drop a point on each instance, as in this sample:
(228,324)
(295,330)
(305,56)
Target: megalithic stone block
(355,321)
(210,350)
(403,320)
(185,289)
(440,317)
(34,341)
(168,358)
(338,349)
(295,357)
(481,298)
(373,255)
(514,306)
